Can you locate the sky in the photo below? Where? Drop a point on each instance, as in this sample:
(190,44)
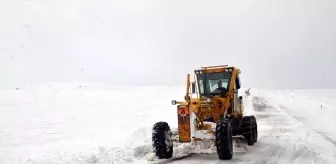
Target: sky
(287,44)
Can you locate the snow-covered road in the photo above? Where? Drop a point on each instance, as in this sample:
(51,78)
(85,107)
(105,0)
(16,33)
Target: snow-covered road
(104,125)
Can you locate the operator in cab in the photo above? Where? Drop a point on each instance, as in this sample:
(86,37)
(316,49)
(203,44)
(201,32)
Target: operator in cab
(220,88)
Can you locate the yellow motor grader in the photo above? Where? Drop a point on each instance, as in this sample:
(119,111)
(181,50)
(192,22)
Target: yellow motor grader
(212,111)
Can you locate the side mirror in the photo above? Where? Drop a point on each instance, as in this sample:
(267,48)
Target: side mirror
(173,102)
(238,83)
(193,88)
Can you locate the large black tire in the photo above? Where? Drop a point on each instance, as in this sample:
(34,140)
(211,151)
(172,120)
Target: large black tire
(248,125)
(255,129)
(223,140)
(162,144)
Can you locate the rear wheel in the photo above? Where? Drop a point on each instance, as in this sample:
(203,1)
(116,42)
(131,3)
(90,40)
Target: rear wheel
(248,125)
(223,140)
(255,129)
(161,140)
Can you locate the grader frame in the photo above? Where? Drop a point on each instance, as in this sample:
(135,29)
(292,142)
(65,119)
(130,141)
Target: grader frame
(209,115)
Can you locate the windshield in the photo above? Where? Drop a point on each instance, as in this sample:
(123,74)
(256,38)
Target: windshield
(208,82)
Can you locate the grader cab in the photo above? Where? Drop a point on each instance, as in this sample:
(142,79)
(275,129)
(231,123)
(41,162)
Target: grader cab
(212,111)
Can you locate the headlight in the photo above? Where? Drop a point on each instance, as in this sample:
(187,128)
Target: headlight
(208,100)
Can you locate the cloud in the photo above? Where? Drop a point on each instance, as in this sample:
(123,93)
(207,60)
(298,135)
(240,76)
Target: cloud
(158,42)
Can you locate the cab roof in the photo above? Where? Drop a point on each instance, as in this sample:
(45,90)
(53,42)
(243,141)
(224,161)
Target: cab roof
(218,68)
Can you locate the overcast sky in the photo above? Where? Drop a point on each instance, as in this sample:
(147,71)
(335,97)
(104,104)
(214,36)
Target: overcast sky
(277,44)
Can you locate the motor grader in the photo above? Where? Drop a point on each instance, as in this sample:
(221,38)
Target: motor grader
(212,111)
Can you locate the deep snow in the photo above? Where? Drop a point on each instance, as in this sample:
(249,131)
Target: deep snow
(109,124)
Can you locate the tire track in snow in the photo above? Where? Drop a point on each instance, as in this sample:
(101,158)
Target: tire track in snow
(164,161)
(303,121)
(324,135)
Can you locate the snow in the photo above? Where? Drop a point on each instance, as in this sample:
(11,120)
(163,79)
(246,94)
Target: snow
(73,123)
(314,108)
(94,123)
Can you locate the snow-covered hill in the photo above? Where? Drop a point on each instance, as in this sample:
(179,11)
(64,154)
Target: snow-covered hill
(109,124)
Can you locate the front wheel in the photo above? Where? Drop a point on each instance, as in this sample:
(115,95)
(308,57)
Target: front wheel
(223,140)
(161,140)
